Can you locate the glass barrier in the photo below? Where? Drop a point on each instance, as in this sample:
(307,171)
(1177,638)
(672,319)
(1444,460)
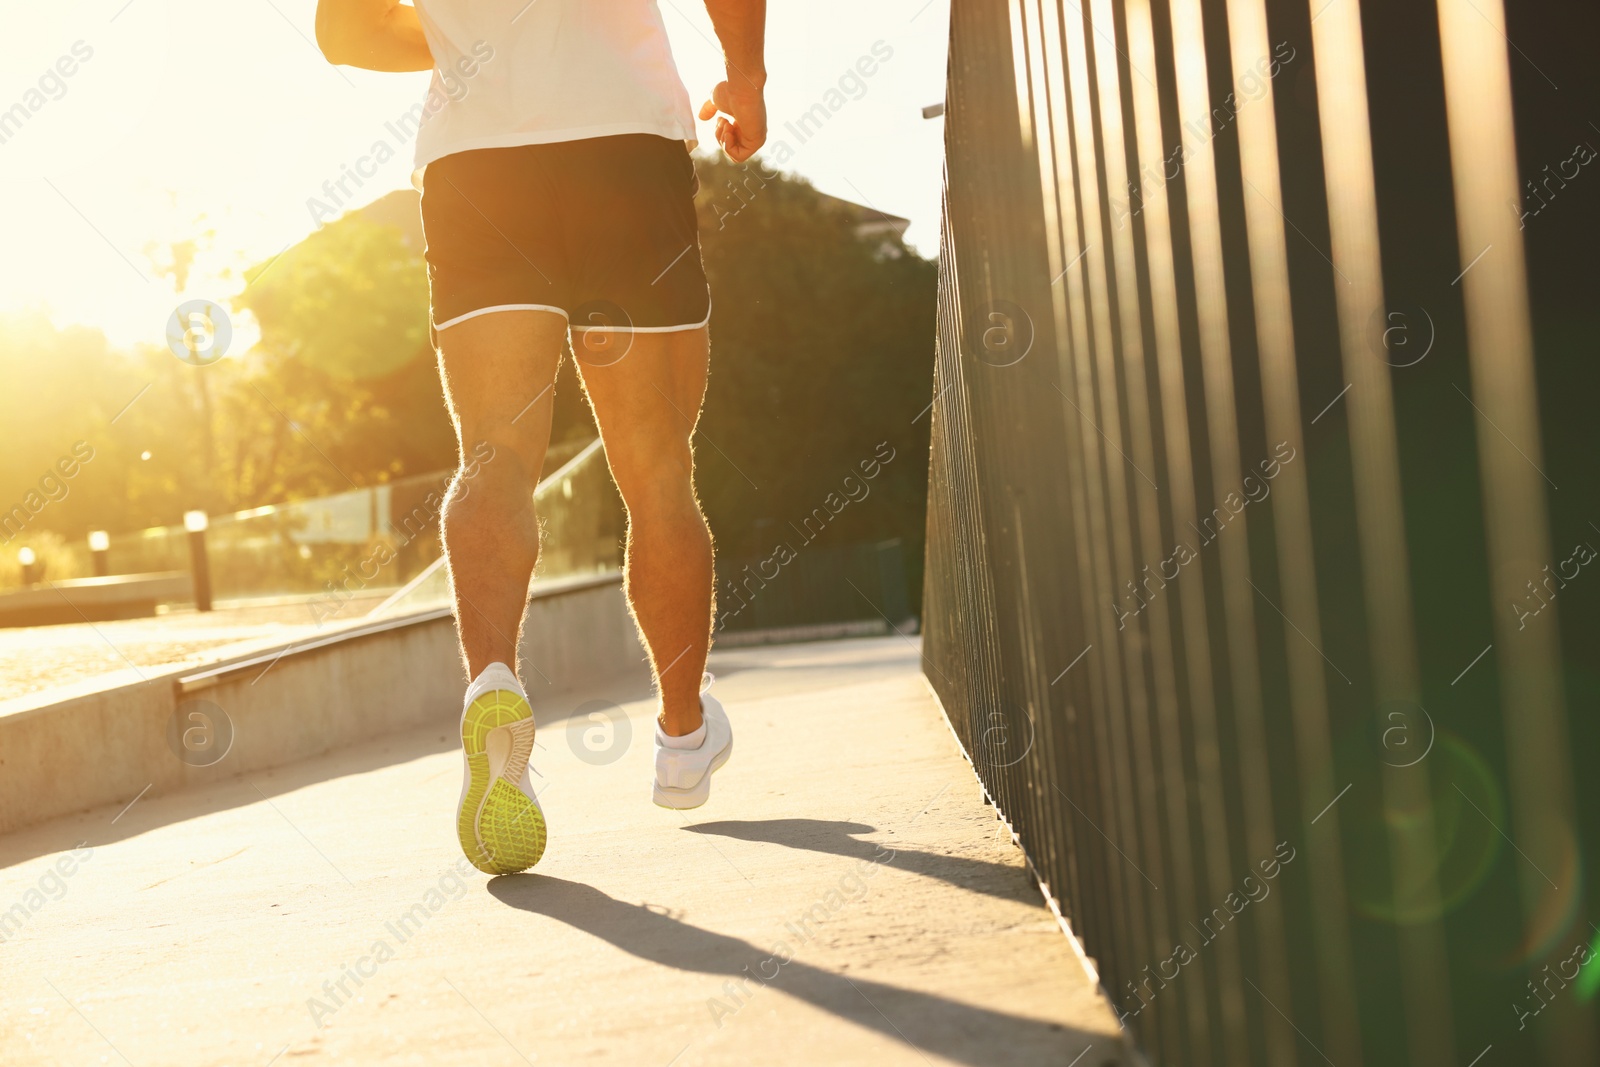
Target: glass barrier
(581,530)
(366,539)
(346,553)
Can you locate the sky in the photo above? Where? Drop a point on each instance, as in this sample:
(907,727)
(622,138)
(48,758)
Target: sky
(153,121)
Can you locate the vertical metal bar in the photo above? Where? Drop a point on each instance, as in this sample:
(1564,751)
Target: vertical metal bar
(1477,84)
(1093,913)
(1102,909)
(1122,882)
(1269,272)
(1238,596)
(1096,106)
(1143,143)
(1353,224)
(1188,587)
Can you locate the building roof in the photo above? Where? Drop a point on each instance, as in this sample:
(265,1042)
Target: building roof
(869,220)
(401,209)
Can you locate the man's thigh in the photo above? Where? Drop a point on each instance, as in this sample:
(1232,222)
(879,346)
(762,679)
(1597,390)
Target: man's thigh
(646,400)
(499,373)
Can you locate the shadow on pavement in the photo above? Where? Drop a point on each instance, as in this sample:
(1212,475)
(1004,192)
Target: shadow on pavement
(963,1032)
(837,838)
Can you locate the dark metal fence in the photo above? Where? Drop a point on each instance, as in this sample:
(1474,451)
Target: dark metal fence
(1259,577)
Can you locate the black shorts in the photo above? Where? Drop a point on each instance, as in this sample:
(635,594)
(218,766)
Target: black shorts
(602,231)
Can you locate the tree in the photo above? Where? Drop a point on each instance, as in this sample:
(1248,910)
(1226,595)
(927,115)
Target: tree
(344,364)
(822,347)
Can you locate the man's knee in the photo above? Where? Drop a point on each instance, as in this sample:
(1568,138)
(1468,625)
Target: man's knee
(655,479)
(491,474)
(493,456)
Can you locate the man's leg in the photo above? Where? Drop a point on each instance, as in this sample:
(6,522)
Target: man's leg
(647,404)
(499,373)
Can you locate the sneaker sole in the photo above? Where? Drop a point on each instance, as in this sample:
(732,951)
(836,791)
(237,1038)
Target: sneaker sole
(696,795)
(501,831)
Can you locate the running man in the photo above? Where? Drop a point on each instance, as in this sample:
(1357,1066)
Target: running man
(558,197)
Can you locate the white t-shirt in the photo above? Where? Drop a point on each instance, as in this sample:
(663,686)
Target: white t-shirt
(515,72)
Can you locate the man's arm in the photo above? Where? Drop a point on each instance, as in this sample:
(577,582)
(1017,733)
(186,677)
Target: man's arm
(741,26)
(372,34)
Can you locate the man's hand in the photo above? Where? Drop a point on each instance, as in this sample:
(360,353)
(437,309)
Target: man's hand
(738,103)
(741,114)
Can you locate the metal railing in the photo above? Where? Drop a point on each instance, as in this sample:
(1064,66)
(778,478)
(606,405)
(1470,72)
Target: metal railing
(1242,576)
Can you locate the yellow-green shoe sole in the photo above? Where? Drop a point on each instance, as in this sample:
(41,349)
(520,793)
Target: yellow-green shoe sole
(501,831)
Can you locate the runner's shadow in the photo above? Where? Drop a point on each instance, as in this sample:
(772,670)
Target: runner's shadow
(838,838)
(963,1032)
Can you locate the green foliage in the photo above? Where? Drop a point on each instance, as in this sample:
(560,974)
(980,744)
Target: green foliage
(822,347)
(344,355)
(349,302)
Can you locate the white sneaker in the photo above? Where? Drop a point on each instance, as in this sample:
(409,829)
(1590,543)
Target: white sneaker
(499,821)
(683,775)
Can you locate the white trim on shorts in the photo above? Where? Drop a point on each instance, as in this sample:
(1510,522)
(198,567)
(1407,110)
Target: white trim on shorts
(575,329)
(498,307)
(645,329)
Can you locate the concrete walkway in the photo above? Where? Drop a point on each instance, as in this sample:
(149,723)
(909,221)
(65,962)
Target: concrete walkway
(845,898)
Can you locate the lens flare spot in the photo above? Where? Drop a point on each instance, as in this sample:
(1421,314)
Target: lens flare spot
(1589,977)
(1453,824)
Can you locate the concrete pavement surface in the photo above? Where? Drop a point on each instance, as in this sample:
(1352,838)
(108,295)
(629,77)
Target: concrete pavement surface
(845,897)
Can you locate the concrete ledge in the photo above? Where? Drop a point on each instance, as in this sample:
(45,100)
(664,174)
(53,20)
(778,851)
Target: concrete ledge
(117,596)
(284,704)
